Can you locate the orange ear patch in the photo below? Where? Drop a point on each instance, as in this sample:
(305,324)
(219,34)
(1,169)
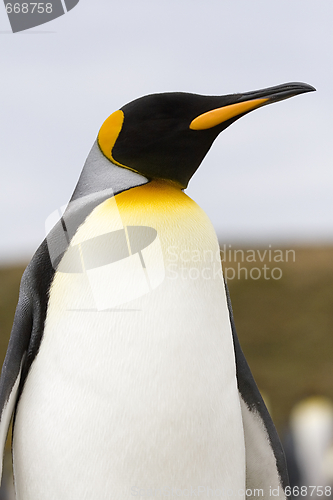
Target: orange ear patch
(109,132)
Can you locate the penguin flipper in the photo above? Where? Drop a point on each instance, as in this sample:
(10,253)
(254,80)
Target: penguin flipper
(25,336)
(266,468)
(12,367)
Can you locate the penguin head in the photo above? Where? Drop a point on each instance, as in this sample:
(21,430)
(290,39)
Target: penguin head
(166,136)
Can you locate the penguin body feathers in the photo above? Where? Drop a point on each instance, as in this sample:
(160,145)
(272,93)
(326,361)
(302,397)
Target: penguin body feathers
(79,356)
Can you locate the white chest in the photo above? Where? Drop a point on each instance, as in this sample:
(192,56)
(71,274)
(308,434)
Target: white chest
(134,392)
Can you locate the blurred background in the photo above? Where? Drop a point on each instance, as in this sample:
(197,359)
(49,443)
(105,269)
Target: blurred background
(266,184)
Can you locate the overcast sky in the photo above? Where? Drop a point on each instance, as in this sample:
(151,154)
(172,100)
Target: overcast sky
(268,178)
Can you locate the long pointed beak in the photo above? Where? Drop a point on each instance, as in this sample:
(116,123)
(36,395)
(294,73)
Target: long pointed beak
(247,102)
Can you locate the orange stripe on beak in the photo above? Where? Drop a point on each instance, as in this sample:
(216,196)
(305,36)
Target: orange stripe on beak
(220,115)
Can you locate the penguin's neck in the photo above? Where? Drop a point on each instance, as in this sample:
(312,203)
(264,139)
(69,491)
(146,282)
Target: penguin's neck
(157,199)
(160,204)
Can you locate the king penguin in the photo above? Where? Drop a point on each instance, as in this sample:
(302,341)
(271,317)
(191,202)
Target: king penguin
(124,374)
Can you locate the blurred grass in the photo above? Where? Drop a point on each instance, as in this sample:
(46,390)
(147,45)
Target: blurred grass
(10,278)
(285,326)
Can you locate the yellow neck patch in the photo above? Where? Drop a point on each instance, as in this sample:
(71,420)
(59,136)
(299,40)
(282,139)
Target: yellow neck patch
(153,199)
(165,207)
